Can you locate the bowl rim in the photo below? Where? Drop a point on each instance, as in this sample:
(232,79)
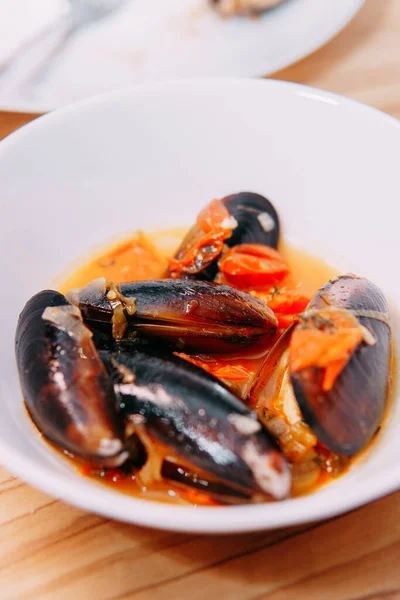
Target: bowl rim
(232,519)
(301,89)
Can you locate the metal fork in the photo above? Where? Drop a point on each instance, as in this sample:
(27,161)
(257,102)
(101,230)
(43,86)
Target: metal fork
(80,15)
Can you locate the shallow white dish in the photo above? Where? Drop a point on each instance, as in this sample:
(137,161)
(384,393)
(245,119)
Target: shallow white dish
(160,39)
(150,157)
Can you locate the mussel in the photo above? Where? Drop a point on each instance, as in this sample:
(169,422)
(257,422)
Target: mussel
(101,382)
(343,406)
(243,218)
(192,415)
(187,315)
(258,221)
(66,388)
(334,371)
(110,406)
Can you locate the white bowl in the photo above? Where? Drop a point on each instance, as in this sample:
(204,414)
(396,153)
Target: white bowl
(151,157)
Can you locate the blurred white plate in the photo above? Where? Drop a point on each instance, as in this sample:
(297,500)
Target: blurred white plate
(151,157)
(162,39)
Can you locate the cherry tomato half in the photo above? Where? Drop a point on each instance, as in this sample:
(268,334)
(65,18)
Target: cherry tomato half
(252,265)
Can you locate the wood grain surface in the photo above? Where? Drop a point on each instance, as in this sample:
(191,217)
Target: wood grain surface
(52,551)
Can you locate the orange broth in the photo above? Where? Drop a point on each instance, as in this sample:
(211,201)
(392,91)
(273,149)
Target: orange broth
(145,257)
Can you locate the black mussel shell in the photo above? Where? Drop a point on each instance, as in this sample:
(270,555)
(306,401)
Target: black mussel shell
(199,419)
(186,315)
(258,221)
(346,418)
(66,388)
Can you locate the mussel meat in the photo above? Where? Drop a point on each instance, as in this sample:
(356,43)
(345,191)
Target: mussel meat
(187,315)
(66,388)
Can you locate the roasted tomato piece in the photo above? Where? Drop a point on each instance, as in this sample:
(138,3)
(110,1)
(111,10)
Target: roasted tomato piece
(253,265)
(204,242)
(286,304)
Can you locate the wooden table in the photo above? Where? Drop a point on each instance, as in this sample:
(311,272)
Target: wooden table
(52,551)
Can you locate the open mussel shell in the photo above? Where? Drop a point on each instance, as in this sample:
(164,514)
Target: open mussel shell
(346,418)
(195,417)
(187,315)
(66,388)
(257,222)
